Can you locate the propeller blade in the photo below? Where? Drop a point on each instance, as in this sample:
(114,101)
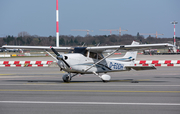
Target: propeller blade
(55,51)
(65,63)
(59,56)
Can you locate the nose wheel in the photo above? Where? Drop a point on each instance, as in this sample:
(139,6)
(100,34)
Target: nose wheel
(67,77)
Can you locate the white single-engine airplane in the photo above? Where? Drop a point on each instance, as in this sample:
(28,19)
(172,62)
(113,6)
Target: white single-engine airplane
(89,60)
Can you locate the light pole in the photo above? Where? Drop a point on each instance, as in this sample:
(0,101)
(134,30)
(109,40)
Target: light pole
(57,24)
(174,22)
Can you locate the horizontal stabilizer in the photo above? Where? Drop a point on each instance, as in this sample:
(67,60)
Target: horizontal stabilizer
(141,67)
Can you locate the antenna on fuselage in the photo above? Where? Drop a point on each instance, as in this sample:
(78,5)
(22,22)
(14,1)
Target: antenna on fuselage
(83,45)
(98,44)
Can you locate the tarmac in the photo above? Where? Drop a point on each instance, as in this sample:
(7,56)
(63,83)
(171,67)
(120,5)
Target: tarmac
(40,90)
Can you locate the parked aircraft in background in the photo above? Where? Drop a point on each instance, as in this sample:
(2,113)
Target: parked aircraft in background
(8,50)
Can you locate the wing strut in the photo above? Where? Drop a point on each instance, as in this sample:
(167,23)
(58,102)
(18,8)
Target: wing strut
(51,55)
(103,58)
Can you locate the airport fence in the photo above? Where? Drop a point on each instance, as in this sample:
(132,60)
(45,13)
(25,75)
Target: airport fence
(158,63)
(25,63)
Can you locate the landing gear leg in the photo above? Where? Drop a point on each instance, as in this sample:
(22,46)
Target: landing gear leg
(104,77)
(97,74)
(73,75)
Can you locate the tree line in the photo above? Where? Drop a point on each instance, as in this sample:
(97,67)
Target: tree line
(65,40)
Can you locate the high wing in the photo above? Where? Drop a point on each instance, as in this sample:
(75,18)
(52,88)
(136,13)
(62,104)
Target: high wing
(38,47)
(130,47)
(96,49)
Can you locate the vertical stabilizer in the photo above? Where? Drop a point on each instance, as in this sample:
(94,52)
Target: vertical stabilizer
(135,43)
(131,54)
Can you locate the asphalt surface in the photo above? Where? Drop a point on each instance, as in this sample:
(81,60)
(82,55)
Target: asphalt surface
(42,91)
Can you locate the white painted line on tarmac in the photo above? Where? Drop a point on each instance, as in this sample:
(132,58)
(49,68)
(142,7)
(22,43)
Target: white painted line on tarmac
(51,83)
(91,103)
(141,85)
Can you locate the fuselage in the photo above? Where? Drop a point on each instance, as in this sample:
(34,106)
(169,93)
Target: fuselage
(79,63)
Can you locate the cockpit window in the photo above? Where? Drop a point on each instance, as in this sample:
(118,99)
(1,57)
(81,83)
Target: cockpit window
(81,50)
(93,55)
(98,56)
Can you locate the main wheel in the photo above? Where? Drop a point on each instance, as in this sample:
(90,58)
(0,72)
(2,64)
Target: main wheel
(66,78)
(105,78)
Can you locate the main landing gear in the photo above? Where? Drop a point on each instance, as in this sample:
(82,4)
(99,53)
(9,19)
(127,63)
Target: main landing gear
(104,77)
(67,77)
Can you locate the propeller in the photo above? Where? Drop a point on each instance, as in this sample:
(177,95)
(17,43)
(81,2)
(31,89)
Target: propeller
(59,56)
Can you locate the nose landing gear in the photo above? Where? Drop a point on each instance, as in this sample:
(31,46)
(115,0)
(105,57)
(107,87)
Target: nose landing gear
(67,77)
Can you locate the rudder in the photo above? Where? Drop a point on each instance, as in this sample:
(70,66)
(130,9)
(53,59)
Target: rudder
(131,54)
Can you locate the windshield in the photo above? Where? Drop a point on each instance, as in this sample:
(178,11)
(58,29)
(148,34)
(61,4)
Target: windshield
(81,50)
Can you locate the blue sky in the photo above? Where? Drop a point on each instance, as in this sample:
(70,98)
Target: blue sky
(38,17)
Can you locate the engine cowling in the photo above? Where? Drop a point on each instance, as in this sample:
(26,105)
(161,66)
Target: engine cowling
(106,77)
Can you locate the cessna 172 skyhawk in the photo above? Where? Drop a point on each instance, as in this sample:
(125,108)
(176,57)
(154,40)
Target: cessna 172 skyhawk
(89,60)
